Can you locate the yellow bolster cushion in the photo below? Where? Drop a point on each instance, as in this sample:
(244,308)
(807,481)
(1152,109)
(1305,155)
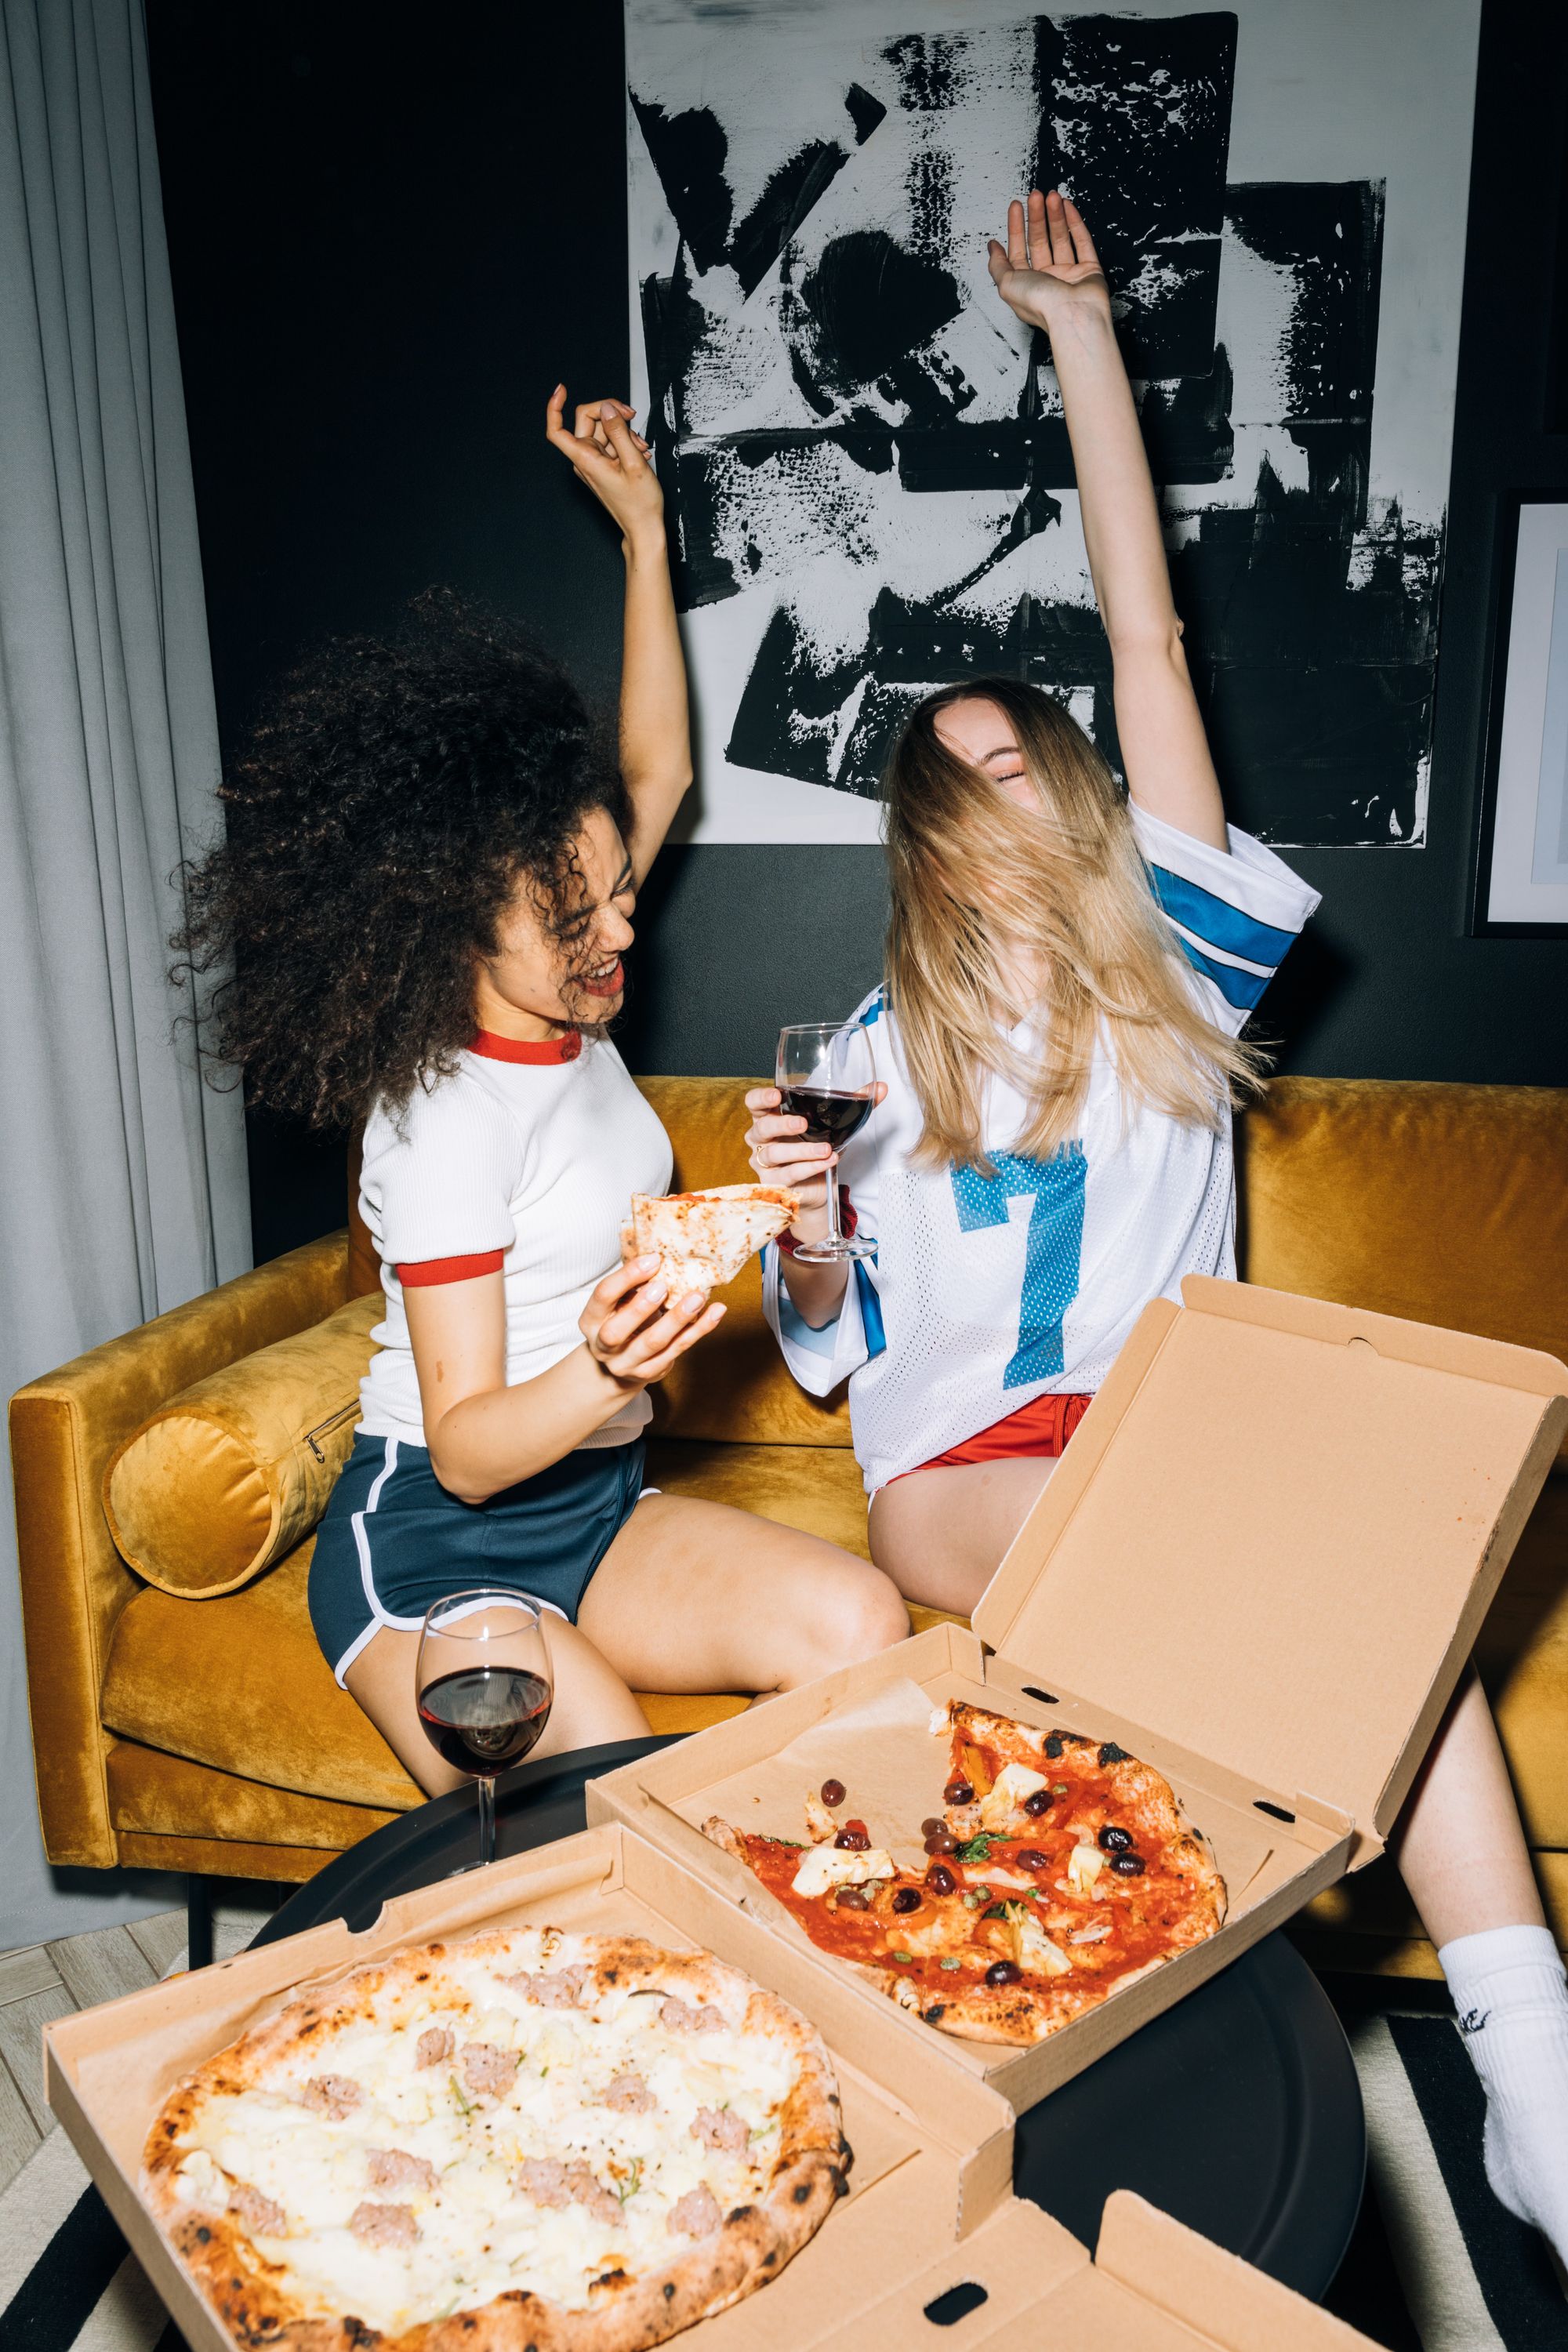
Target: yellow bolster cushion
(236,1469)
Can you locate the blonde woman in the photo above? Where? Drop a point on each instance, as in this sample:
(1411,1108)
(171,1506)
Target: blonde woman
(1068,978)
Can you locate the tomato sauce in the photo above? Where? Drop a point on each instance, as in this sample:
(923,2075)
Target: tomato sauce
(1146,1916)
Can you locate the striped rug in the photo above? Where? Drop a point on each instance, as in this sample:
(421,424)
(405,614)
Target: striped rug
(1473,2277)
(1474,2280)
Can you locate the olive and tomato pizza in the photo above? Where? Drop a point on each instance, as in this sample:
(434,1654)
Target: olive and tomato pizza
(1059,1871)
(528,2138)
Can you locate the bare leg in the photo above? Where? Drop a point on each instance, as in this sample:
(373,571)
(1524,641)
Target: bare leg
(941,1534)
(1461,1847)
(693,1596)
(592,1705)
(1459,1843)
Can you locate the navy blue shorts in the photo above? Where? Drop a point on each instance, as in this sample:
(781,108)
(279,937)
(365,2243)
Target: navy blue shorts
(394,1540)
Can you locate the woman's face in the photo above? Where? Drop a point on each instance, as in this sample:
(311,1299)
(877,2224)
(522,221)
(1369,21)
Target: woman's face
(982,734)
(538,981)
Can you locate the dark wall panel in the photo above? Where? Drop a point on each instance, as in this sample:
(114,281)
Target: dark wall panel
(393,227)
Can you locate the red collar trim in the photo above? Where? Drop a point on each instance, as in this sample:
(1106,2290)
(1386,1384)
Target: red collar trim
(528,1049)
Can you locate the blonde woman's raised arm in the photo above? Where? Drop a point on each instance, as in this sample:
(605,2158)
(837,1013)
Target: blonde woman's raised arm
(1049,273)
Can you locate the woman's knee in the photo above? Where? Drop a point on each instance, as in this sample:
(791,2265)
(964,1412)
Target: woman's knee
(861,1612)
(591,1704)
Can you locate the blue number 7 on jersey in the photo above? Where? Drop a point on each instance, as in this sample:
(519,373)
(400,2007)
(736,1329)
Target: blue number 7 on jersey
(1052,1255)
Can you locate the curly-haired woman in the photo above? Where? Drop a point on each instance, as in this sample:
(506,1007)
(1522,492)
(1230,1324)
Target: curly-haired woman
(427,893)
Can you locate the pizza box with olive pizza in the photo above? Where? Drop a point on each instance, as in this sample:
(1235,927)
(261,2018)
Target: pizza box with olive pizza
(515,2111)
(1194,1693)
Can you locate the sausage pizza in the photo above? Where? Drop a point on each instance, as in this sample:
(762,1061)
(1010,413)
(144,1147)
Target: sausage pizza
(528,2139)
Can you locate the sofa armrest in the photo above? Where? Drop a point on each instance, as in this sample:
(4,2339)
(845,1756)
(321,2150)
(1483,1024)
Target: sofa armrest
(64,1428)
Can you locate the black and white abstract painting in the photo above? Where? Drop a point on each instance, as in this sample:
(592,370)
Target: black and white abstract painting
(863,453)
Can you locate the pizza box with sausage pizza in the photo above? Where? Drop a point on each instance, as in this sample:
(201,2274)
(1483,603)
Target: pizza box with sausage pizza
(928,2238)
(1258,1568)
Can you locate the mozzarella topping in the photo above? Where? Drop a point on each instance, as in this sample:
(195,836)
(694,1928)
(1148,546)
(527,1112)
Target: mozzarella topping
(1012,1785)
(478,2231)
(821,1866)
(1033,1948)
(1084,1863)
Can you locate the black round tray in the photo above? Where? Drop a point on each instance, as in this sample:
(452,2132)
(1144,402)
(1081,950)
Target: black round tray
(1237,2111)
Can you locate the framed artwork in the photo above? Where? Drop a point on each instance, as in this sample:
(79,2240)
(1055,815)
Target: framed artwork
(1522,864)
(863,452)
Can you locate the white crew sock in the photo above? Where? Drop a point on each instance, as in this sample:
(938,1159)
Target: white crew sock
(1511,2000)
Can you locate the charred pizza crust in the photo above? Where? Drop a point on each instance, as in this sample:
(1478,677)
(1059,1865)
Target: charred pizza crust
(260,2304)
(1040,1890)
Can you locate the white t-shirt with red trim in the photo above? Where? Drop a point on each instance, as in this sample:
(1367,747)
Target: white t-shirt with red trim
(522,1161)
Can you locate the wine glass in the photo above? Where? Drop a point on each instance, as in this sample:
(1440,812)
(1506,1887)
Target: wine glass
(485,1687)
(826,1075)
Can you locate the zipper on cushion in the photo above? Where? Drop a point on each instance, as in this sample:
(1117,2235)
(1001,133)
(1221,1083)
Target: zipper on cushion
(333,1421)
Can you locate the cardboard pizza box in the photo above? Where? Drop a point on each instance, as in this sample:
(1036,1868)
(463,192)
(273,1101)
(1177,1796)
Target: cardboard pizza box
(1259,1566)
(930,2239)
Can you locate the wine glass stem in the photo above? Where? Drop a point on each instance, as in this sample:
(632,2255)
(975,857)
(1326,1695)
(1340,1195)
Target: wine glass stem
(487,1788)
(833,1234)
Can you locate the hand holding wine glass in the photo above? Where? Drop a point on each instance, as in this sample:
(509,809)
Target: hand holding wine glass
(485,1686)
(827,1090)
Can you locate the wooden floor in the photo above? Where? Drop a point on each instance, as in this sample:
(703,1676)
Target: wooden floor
(50,1980)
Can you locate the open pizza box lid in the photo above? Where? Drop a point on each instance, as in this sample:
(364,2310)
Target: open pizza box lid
(929,2241)
(1259,1568)
(1275,1533)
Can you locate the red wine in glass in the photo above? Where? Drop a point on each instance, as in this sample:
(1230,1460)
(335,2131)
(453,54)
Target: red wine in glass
(483,1686)
(826,1073)
(831,1115)
(483,1718)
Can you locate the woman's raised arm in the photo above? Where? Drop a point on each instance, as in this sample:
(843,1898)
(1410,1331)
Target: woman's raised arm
(1049,273)
(655,718)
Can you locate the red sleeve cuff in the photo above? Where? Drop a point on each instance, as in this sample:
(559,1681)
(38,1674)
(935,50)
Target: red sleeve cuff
(846,1223)
(425,1272)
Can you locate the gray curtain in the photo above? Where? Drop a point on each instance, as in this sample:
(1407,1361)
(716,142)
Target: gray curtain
(122,1185)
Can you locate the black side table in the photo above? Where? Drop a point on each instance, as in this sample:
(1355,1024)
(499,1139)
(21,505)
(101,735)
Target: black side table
(1237,2111)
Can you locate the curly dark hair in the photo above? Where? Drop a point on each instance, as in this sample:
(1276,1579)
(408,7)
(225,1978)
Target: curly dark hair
(389,795)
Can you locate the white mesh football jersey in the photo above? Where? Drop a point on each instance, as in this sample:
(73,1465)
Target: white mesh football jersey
(988,1291)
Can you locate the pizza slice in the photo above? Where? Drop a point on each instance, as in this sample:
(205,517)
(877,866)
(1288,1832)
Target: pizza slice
(702,1240)
(1059,1871)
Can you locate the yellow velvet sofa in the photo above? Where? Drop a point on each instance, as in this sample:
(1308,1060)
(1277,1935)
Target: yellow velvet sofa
(207,1735)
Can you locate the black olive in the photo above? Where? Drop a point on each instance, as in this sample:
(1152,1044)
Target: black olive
(1030,1857)
(854,1837)
(1128,1865)
(1054,1746)
(1038,1801)
(854,1898)
(942,1842)
(1111,1754)
(908,1898)
(1003,1972)
(931,1825)
(958,1792)
(832,1792)
(939,1879)
(1115,1839)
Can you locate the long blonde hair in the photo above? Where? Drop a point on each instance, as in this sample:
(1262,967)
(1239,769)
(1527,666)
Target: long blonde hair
(983,888)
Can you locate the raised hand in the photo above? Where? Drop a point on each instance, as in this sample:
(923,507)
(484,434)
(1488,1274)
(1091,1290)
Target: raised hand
(1049,271)
(613,460)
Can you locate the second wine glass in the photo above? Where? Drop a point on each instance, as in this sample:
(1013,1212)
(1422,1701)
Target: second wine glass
(484,1688)
(826,1074)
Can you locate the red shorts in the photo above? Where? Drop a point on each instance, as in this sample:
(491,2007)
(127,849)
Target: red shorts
(1041,1430)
